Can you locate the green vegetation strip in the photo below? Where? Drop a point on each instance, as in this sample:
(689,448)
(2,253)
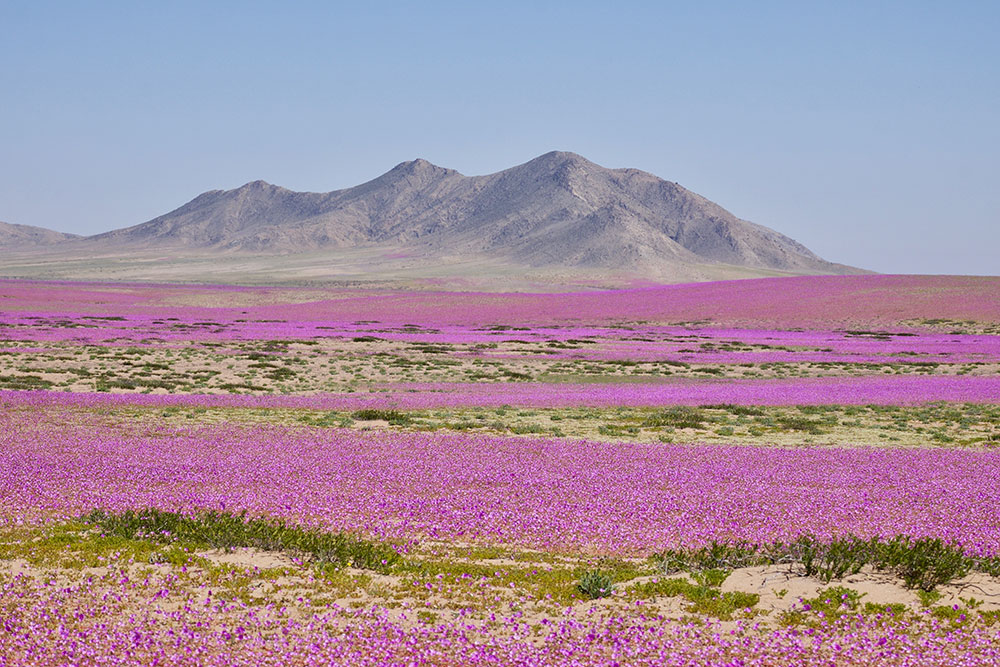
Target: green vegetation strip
(479,577)
(228,531)
(937,424)
(923,563)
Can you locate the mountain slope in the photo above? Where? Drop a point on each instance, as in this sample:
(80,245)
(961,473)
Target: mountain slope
(556,210)
(18,237)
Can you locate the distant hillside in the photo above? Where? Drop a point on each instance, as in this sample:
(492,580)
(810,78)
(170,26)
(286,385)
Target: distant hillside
(558,214)
(17,237)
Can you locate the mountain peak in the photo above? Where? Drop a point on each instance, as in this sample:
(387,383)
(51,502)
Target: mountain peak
(417,163)
(420,167)
(562,166)
(562,159)
(258,186)
(416,173)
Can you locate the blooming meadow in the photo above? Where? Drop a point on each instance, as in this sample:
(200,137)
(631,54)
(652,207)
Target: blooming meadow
(551,495)
(821,452)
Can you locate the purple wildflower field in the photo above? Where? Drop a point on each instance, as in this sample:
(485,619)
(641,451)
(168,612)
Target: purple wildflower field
(880,390)
(191,399)
(555,496)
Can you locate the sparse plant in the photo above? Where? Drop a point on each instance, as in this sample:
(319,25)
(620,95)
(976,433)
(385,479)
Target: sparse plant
(595,584)
(923,563)
(394,417)
(678,416)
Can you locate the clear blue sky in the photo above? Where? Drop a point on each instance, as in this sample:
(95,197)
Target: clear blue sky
(870,131)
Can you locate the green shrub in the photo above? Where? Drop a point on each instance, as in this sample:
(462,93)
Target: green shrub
(833,559)
(893,608)
(836,600)
(595,585)
(743,410)
(394,417)
(792,423)
(679,416)
(711,578)
(924,563)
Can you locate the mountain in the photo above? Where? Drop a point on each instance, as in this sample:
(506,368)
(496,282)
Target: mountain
(557,214)
(18,237)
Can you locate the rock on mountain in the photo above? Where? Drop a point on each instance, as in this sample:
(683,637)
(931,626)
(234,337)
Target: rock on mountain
(558,210)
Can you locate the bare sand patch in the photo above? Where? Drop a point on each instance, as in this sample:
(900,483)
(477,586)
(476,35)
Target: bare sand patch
(249,558)
(780,588)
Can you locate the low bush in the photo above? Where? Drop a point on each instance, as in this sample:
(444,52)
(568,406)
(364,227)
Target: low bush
(704,595)
(924,563)
(792,423)
(596,585)
(679,416)
(394,417)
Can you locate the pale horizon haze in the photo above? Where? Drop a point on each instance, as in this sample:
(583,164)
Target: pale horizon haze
(868,131)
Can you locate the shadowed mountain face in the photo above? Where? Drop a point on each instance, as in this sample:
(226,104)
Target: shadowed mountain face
(558,210)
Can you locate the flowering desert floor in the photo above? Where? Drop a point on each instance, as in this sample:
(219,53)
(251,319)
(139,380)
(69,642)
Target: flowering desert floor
(790,471)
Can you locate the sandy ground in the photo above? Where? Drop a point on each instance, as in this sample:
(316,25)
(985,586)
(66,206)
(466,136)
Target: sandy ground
(277,578)
(780,589)
(372,266)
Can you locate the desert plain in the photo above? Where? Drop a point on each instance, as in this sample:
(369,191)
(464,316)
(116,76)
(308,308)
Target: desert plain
(795,470)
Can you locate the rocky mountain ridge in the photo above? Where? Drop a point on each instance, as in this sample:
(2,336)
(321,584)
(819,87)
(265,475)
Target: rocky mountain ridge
(558,211)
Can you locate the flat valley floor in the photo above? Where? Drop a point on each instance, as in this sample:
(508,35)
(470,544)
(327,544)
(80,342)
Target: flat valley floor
(774,471)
